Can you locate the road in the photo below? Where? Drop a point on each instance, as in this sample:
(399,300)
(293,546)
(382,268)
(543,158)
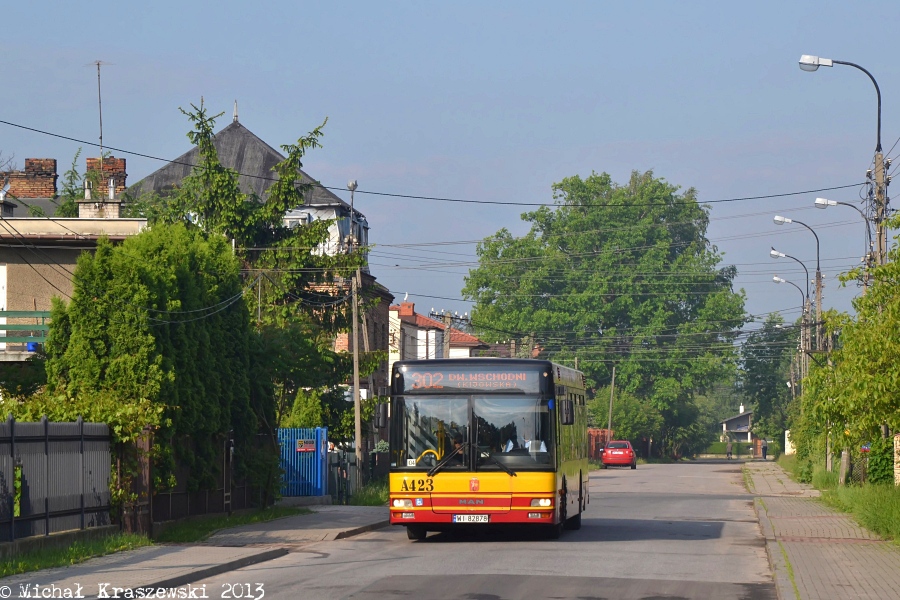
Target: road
(661,531)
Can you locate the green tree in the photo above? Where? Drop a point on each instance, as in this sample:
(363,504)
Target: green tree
(157,334)
(618,275)
(633,419)
(301,299)
(766,360)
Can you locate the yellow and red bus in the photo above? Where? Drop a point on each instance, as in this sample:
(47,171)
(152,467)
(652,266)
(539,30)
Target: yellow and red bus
(480,441)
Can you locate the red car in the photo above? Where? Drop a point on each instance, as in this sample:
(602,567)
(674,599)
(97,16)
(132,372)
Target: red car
(619,453)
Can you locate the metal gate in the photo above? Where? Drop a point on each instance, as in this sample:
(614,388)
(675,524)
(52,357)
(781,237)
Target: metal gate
(303,461)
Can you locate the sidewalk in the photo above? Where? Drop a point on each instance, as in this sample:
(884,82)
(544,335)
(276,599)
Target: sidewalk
(169,566)
(815,551)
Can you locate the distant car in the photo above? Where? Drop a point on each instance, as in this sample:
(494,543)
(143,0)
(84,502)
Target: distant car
(619,453)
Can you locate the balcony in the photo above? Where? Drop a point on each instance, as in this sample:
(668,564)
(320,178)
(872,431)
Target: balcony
(21,333)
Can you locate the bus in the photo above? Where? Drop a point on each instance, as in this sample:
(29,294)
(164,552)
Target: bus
(481,441)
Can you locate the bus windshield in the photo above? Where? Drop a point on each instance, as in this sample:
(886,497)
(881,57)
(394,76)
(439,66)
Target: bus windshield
(512,430)
(428,429)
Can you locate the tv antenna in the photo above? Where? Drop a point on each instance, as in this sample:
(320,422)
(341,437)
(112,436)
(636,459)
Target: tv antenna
(100,63)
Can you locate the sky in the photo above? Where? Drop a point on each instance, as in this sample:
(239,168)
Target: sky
(491,102)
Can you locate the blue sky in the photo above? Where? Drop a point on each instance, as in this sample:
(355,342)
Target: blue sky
(490,101)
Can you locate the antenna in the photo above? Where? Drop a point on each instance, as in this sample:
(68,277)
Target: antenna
(100,63)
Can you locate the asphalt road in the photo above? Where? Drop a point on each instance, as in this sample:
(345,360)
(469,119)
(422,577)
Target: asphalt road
(661,531)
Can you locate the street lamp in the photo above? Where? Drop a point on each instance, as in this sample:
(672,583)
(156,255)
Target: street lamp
(778,279)
(804,330)
(779,220)
(776,254)
(811,63)
(824,203)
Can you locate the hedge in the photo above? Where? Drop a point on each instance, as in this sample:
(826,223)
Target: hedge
(737,448)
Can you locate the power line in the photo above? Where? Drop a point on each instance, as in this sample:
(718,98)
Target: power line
(440,198)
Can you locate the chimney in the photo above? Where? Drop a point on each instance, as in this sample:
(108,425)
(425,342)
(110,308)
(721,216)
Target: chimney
(100,204)
(38,180)
(407,309)
(113,168)
(742,408)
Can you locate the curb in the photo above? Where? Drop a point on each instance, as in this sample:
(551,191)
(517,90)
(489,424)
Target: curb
(351,532)
(174,582)
(784,587)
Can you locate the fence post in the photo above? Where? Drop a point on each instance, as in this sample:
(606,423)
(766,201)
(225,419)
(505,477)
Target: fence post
(11,422)
(46,423)
(80,422)
(845,467)
(897,459)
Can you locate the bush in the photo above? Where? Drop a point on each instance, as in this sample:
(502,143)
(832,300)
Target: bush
(881,461)
(737,448)
(824,480)
(374,493)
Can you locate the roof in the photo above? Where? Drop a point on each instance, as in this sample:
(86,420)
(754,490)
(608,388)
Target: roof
(746,413)
(239,149)
(47,205)
(68,231)
(457,338)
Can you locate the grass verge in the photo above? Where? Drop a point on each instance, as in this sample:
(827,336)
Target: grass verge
(374,493)
(48,558)
(875,507)
(199,528)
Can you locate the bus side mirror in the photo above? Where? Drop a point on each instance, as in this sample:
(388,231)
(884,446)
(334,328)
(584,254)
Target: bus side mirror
(381,415)
(566,412)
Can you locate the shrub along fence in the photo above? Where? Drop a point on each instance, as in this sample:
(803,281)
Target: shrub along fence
(737,449)
(53,477)
(149,506)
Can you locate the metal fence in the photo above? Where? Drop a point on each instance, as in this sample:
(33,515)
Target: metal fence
(229,493)
(53,477)
(303,461)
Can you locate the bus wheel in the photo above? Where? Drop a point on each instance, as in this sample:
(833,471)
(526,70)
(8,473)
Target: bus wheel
(416,532)
(573,523)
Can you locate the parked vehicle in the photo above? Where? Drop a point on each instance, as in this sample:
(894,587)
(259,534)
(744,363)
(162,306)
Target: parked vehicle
(619,453)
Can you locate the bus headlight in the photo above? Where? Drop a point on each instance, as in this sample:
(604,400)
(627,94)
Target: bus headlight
(402,503)
(545,502)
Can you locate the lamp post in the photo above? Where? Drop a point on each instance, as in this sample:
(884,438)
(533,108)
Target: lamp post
(357,404)
(779,220)
(812,63)
(824,203)
(804,333)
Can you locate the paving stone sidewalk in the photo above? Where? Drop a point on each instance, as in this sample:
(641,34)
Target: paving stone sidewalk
(815,551)
(173,566)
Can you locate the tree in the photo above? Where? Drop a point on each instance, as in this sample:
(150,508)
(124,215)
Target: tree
(766,359)
(633,419)
(617,275)
(301,299)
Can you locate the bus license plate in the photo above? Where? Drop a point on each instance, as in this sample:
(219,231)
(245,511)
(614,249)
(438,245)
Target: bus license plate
(470,518)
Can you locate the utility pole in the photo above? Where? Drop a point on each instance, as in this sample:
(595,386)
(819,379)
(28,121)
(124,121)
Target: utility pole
(880,212)
(612,391)
(357,404)
(448,320)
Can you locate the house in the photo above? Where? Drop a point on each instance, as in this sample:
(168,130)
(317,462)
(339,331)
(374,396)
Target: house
(240,149)
(738,427)
(38,254)
(417,337)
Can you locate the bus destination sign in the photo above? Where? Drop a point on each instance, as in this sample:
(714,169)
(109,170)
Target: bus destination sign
(469,378)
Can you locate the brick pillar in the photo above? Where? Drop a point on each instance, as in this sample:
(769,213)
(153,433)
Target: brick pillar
(897,459)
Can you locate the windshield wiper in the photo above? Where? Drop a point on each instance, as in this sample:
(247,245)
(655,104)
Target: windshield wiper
(447,458)
(508,471)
